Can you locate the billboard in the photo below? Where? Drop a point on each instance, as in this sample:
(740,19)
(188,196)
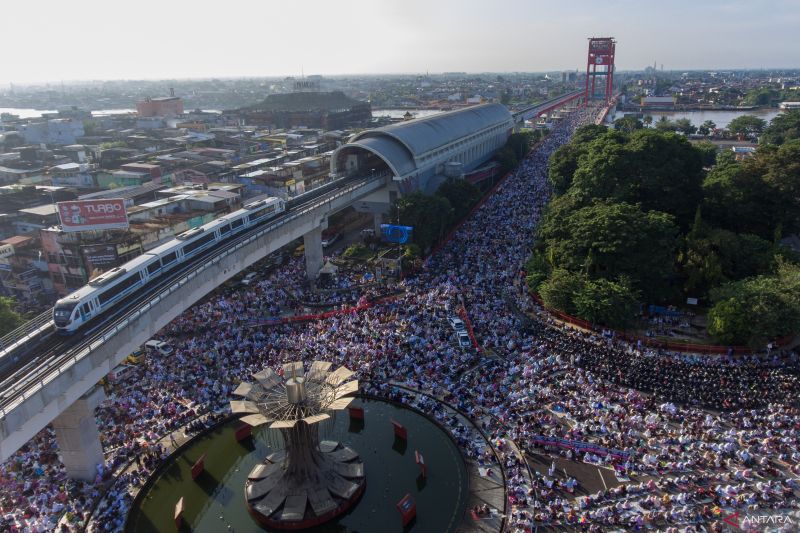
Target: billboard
(397,234)
(100,256)
(84,215)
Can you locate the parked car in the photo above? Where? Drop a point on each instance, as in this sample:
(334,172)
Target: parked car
(456,323)
(249,278)
(463,339)
(159,347)
(330,239)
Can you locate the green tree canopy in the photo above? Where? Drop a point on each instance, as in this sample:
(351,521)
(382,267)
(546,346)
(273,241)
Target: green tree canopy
(628,124)
(461,194)
(606,240)
(747,125)
(710,257)
(757,310)
(606,302)
(562,165)
(558,291)
(666,125)
(588,133)
(758,194)
(685,126)
(783,128)
(9,319)
(430,216)
(663,172)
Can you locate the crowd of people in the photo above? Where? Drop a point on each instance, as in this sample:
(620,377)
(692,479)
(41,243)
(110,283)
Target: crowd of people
(698,437)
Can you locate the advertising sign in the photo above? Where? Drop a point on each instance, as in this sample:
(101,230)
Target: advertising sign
(84,215)
(397,234)
(100,256)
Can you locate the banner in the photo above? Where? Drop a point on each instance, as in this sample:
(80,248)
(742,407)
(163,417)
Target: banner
(396,234)
(100,256)
(577,446)
(84,215)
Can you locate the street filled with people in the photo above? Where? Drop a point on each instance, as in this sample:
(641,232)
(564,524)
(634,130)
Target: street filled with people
(684,440)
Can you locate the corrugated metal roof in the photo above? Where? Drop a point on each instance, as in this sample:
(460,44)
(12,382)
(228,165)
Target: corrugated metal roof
(425,134)
(391,151)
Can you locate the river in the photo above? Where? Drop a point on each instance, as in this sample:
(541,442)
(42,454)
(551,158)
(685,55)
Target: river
(720,118)
(399,113)
(24,112)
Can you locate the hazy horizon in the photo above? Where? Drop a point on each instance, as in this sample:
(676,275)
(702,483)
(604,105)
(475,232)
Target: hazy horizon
(89,40)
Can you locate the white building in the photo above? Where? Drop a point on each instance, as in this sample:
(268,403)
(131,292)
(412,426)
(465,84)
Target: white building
(61,131)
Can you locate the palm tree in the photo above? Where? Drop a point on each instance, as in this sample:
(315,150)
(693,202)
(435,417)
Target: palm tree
(648,120)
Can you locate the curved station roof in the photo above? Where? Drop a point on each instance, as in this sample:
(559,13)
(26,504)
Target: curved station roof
(401,144)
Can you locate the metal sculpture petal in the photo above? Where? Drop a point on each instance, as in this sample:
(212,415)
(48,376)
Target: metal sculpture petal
(308,478)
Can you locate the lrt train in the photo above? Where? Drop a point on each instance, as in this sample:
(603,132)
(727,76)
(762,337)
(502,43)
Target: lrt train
(89,302)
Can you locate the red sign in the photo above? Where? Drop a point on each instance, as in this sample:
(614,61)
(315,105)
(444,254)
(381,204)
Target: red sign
(83,215)
(407,508)
(400,430)
(423,468)
(198,467)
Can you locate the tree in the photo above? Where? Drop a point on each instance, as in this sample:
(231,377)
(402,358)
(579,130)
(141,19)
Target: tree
(521,143)
(782,128)
(562,165)
(685,126)
(606,302)
(747,125)
(628,124)
(708,152)
(737,199)
(507,158)
(90,127)
(588,133)
(430,216)
(559,290)
(706,127)
(662,171)
(461,194)
(710,257)
(665,125)
(9,319)
(648,120)
(780,168)
(757,310)
(608,240)
(505,97)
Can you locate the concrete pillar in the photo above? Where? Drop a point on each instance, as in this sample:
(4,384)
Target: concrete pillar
(377,220)
(77,436)
(313,248)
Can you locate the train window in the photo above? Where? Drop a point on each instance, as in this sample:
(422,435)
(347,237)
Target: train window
(237,223)
(169,258)
(224,229)
(85,308)
(258,214)
(192,246)
(121,286)
(153,267)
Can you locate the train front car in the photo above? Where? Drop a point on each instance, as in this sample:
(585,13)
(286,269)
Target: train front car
(63,314)
(73,311)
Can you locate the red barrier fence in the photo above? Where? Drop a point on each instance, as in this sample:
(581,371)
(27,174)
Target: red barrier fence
(465,317)
(318,316)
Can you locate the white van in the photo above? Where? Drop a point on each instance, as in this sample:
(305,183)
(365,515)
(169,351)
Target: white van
(160,347)
(119,372)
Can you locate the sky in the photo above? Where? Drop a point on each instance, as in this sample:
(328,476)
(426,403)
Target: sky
(54,40)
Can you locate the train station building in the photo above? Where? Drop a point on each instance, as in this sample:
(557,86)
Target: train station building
(420,154)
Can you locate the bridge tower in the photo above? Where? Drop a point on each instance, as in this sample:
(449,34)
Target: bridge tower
(600,62)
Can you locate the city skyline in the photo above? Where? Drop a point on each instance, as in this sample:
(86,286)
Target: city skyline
(180,40)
